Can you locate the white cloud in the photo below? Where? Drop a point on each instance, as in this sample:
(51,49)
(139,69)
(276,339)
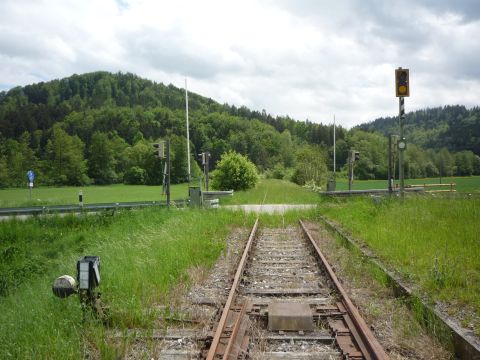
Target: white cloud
(307,59)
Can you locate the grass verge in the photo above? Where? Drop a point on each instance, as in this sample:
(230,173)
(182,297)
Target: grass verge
(143,255)
(432,242)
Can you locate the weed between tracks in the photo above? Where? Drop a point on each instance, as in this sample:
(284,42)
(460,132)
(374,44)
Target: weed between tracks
(144,254)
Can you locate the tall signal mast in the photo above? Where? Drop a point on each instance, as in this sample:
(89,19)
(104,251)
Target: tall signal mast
(188,131)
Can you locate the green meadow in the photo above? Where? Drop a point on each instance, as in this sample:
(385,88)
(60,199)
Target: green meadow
(271,191)
(267,191)
(91,194)
(463,184)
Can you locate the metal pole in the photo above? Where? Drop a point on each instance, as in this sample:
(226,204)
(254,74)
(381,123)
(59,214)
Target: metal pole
(164,181)
(188,131)
(168,172)
(334,154)
(390,154)
(401,102)
(207,157)
(350,170)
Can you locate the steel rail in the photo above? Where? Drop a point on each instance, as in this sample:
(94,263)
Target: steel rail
(231,296)
(370,343)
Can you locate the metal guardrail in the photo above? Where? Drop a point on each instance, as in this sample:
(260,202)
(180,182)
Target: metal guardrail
(370,191)
(211,194)
(451,187)
(54,209)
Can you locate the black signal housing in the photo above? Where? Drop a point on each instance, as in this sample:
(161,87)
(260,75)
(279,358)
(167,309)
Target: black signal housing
(402,83)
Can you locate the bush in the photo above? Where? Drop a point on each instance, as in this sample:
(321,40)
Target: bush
(279,172)
(234,172)
(310,166)
(134,176)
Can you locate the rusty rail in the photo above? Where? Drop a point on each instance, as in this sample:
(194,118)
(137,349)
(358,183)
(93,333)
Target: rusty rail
(361,331)
(218,350)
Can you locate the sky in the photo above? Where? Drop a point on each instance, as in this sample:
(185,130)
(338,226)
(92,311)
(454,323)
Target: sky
(309,59)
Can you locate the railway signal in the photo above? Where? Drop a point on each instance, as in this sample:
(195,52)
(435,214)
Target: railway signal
(402,90)
(402,144)
(159,149)
(402,85)
(162,151)
(205,156)
(88,279)
(353,155)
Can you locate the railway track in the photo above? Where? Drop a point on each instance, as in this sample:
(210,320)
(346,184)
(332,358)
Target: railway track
(286,303)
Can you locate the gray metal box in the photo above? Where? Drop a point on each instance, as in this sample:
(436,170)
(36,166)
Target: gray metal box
(195,196)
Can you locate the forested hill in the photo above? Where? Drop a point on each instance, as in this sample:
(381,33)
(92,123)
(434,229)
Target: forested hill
(98,127)
(454,127)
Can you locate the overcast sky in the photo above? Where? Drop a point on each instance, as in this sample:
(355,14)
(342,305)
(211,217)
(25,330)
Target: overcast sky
(309,59)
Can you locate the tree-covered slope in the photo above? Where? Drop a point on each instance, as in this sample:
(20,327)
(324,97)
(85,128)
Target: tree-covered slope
(453,127)
(98,127)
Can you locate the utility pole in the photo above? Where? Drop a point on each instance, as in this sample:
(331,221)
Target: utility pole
(206,167)
(334,154)
(188,131)
(390,165)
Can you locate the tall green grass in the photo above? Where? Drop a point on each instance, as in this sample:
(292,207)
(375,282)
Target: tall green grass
(143,255)
(432,241)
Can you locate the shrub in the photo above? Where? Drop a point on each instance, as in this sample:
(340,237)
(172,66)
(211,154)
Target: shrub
(234,172)
(310,166)
(134,176)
